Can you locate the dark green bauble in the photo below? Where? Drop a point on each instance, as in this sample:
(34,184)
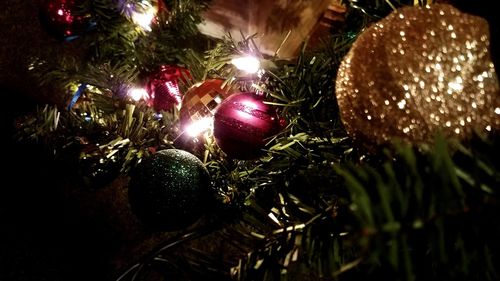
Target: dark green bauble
(170,190)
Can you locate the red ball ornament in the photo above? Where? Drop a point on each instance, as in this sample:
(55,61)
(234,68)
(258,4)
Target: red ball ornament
(201,100)
(163,87)
(61,19)
(243,123)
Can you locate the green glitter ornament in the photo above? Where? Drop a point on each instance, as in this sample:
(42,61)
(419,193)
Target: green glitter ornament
(170,190)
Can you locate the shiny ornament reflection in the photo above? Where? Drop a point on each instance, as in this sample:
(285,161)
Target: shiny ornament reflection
(200,101)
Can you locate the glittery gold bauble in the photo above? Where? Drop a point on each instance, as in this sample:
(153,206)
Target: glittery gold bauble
(418,71)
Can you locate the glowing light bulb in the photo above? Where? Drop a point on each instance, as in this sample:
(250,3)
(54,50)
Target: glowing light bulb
(248,64)
(144,19)
(200,126)
(137,93)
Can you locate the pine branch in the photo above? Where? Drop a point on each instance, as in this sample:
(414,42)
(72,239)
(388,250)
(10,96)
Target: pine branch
(308,209)
(418,212)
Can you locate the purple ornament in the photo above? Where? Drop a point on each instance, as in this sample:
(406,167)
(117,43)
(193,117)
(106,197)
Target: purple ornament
(242,125)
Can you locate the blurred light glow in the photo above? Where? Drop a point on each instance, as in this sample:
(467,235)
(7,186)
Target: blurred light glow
(198,127)
(145,18)
(137,94)
(248,64)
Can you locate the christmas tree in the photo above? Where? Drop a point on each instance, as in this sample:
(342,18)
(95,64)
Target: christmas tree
(372,153)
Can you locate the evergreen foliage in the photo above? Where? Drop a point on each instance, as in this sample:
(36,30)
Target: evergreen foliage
(316,206)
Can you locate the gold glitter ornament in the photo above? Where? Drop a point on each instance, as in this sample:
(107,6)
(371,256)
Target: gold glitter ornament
(417,71)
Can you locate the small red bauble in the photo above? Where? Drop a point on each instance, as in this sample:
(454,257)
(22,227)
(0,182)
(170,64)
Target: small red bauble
(243,123)
(60,19)
(163,87)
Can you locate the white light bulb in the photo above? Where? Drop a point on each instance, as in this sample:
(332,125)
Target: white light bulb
(248,64)
(198,127)
(144,19)
(137,93)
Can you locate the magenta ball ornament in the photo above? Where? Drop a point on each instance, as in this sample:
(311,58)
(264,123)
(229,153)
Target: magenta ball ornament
(242,125)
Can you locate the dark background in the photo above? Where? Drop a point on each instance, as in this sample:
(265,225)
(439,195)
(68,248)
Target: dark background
(50,227)
(36,240)
(41,237)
